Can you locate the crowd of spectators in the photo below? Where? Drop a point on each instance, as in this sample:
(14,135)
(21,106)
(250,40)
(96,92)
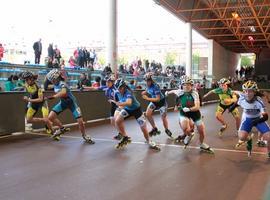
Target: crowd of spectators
(139,67)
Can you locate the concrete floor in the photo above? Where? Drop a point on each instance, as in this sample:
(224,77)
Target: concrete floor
(33,167)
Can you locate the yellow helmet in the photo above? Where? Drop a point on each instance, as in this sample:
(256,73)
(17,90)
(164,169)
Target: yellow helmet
(250,85)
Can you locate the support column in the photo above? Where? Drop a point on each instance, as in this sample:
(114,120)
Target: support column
(210,58)
(112,37)
(189,50)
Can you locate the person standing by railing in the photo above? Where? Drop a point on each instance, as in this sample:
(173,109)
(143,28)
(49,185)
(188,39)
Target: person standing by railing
(38,51)
(2,50)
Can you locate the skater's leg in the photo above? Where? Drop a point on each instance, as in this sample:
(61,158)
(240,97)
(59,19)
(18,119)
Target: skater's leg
(81,125)
(119,122)
(220,118)
(266,136)
(149,116)
(53,118)
(165,121)
(201,131)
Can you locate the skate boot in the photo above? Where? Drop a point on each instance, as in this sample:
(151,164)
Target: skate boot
(188,139)
(118,137)
(154,132)
(48,131)
(261,143)
(222,129)
(153,145)
(249,147)
(239,144)
(88,139)
(168,132)
(180,138)
(123,143)
(206,148)
(60,132)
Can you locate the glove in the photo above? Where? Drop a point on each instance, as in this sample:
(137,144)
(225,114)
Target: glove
(256,121)
(232,107)
(185,109)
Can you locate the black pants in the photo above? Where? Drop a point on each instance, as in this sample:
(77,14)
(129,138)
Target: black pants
(37,58)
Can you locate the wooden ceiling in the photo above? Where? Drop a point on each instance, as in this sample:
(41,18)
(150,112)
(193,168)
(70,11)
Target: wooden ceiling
(239,25)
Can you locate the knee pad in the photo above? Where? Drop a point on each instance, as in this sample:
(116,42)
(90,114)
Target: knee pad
(163,111)
(199,122)
(151,106)
(124,113)
(141,121)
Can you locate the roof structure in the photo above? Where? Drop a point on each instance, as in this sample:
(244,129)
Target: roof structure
(241,26)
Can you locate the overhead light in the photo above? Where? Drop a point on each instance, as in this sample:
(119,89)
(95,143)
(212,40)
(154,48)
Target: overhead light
(250,38)
(252,29)
(235,15)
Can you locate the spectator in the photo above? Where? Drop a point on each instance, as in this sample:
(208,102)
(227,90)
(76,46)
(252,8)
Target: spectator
(50,51)
(72,61)
(2,50)
(97,82)
(236,73)
(38,51)
(132,85)
(57,54)
(83,81)
(173,84)
(107,70)
(63,70)
(50,63)
(92,55)
(11,83)
(55,63)
(80,57)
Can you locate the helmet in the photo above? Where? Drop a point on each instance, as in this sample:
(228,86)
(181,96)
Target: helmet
(186,80)
(224,81)
(27,75)
(53,75)
(119,82)
(110,78)
(250,85)
(148,76)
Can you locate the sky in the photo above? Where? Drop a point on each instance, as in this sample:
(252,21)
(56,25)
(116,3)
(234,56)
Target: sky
(79,23)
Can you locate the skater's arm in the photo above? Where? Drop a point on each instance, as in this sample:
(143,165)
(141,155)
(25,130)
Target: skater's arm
(128,102)
(208,93)
(156,99)
(144,93)
(232,107)
(37,100)
(176,92)
(61,94)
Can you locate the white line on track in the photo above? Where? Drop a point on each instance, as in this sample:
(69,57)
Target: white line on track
(165,145)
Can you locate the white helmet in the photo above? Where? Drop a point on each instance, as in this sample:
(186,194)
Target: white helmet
(186,80)
(53,75)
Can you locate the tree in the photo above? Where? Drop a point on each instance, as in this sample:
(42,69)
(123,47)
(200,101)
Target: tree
(246,61)
(170,58)
(122,59)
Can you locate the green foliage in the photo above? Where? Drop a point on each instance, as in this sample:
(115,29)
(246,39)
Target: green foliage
(246,61)
(170,58)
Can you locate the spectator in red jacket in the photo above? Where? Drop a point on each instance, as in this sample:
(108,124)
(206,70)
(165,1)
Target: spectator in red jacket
(1,51)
